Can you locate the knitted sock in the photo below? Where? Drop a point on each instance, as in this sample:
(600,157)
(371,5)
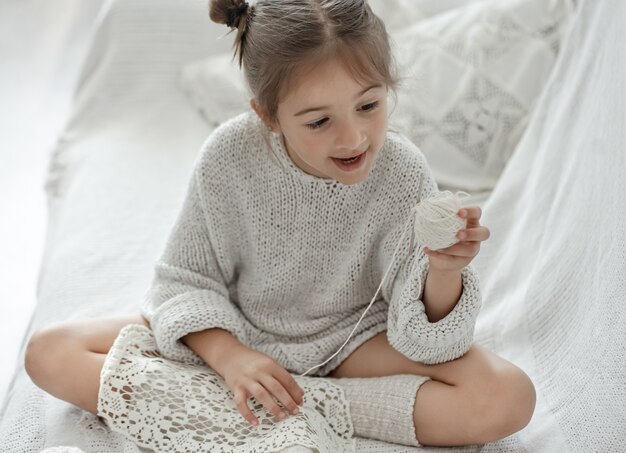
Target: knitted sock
(382,407)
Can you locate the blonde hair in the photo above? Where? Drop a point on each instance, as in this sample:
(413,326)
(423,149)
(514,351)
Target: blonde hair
(279,39)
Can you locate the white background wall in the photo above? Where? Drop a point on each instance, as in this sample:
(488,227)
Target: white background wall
(42,45)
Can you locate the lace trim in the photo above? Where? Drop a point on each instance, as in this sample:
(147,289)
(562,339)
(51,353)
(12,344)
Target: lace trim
(172,406)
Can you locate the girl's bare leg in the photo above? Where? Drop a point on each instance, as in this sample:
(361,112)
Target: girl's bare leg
(475,399)
(65,359)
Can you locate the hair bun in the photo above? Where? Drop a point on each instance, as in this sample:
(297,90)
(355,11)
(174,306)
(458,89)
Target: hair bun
(234,14)
(228,12)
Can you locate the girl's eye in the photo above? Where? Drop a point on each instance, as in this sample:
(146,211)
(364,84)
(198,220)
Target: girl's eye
(317,124)
(365,108)
(369,107)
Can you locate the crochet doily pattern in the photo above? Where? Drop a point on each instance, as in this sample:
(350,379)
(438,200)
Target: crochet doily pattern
(172,406)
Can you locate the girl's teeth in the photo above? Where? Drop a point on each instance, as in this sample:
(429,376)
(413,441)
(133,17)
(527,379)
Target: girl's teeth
(351,159)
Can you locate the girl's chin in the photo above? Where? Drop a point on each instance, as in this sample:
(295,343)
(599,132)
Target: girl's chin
(355,178)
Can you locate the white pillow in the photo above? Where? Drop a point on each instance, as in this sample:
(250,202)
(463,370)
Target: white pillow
(216,87)
(472,76)
(399,14)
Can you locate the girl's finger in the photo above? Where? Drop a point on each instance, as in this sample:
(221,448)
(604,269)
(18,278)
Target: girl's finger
(464,249)
(263,396)
(241,401)
(471,213)
(454,261)
(480,233)
(289,383)
(279,392)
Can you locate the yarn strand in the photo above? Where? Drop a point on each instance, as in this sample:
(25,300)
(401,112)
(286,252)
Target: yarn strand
(436,224)
(368,307)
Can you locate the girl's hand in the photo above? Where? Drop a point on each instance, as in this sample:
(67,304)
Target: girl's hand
(459,255)
(251,373)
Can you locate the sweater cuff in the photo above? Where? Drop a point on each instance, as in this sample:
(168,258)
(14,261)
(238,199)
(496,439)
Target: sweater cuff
(412,334)
(192,312)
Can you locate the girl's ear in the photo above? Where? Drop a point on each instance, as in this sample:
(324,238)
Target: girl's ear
(262,113)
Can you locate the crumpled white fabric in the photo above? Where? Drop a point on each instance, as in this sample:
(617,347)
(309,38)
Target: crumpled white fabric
(171,406)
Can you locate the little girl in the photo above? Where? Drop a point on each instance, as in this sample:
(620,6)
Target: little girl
(291,218)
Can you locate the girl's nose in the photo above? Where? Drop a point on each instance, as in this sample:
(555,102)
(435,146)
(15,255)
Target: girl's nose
(349,136)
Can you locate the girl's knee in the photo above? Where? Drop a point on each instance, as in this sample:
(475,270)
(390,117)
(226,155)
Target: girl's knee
(45,352)
(522,397)
(505,405)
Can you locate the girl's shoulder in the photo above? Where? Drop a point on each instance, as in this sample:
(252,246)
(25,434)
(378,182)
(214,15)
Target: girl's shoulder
(237,132)
(400,153)
(231,144)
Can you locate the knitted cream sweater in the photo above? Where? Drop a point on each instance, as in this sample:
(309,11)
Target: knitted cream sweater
(287,262)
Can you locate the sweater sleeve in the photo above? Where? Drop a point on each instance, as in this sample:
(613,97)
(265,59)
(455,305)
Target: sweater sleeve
(411,333)
(189,288)
(408,329)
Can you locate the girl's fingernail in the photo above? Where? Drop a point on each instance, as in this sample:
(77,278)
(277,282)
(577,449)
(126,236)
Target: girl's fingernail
(255,422)
(462,235)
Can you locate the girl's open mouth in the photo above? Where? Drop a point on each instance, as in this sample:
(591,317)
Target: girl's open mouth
(350,164)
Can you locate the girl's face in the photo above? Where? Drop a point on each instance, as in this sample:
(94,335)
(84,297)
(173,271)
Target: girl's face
(329,116)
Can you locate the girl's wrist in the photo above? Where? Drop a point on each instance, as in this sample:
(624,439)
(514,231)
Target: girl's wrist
(212,345)
(442,291)
(220,358)
(444,273)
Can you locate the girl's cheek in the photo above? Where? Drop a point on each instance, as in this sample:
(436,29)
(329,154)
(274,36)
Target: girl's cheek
(318,144)
(381,131)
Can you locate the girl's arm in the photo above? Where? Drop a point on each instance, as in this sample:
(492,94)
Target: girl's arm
(442,291)
(421,329)
(212,345)
(444,282)
(189,291)
(432,307)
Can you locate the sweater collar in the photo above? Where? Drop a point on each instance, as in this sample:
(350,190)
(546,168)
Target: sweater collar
(278,146)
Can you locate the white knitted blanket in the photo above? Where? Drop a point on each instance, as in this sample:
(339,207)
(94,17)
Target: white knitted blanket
(552,272)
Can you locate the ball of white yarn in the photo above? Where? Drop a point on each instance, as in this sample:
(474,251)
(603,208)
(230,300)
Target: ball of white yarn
(437,221)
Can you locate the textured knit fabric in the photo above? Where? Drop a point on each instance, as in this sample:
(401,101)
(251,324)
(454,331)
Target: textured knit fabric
(167,406)
(381,408)
(287,262)
(149,399)
(62,449)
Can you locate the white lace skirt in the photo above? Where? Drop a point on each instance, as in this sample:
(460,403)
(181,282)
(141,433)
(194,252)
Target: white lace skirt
(170,406)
